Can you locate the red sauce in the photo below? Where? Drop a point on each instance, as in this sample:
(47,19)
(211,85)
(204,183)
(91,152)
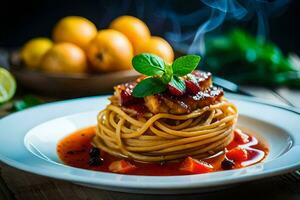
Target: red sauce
(74,149)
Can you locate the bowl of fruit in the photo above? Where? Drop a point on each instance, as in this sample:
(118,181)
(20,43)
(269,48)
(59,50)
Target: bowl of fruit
(80,60)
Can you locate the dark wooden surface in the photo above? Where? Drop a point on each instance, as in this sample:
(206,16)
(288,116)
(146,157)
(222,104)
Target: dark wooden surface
(18,185)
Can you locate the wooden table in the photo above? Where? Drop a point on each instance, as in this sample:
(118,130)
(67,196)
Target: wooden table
(15,184)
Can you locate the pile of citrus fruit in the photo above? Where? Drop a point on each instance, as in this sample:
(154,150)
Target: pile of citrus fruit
(78,47)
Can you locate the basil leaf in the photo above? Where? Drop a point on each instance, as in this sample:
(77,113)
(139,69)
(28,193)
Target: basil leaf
(148,64)
(167,75)
(148,86)
(185,64)
(178,83)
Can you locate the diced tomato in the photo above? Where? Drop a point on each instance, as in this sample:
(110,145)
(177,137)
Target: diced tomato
(175,91)
(195,166)
(237,154)
(121,166)
(241,137)
(192,87)
(126,97)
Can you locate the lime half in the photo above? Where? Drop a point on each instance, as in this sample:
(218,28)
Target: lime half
(7,85)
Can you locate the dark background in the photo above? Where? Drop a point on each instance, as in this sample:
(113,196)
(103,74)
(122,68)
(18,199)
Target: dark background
(22,20)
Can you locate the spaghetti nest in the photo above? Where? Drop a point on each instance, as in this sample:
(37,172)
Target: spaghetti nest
(164,136)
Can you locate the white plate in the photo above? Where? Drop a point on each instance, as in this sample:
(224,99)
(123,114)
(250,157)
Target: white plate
(29,138)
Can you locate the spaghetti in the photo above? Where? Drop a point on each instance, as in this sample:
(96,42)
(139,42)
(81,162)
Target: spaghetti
(164,136)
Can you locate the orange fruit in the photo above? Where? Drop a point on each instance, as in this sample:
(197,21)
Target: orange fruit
(74,29)
(158,46)
(64,58)
(135,30)
(33,51)
(109,51)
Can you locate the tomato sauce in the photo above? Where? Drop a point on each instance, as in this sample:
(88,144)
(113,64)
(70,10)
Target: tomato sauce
(74,150)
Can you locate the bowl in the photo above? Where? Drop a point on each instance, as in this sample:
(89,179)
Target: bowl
(67,85)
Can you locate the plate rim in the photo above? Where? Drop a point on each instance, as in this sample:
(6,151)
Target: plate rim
(190,185)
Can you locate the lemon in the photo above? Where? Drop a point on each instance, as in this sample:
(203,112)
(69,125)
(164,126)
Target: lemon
(7,85)
(74,29)
(64,58)
(110,51)
(33,51)
(158,46)
(133,28)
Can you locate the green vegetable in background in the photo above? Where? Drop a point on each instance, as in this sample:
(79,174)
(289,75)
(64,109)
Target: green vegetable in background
(26,102)
(242,58)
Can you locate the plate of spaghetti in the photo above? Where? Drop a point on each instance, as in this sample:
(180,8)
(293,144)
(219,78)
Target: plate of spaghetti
(169,131)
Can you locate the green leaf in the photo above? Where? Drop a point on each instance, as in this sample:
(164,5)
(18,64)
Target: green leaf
(167,75)
(178,83)
(149,86)
(27,102)
(185,64)
(148,64)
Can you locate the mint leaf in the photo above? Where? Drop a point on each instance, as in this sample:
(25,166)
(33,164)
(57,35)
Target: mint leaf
(149,86)
(185,64)
(178,83)
(148,64)
(167,75)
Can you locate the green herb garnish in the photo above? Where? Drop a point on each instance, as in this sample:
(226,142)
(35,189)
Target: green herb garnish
(27,102)
(161,74)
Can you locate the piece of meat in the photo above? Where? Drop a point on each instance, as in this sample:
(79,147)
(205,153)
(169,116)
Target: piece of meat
(164,103)
(167,103)
(204,79)
(204,98)
(123,93)
(155,104)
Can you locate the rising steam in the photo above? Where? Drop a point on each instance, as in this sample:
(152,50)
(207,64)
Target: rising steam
(212,15)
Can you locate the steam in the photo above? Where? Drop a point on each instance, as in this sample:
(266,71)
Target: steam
(212,15)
